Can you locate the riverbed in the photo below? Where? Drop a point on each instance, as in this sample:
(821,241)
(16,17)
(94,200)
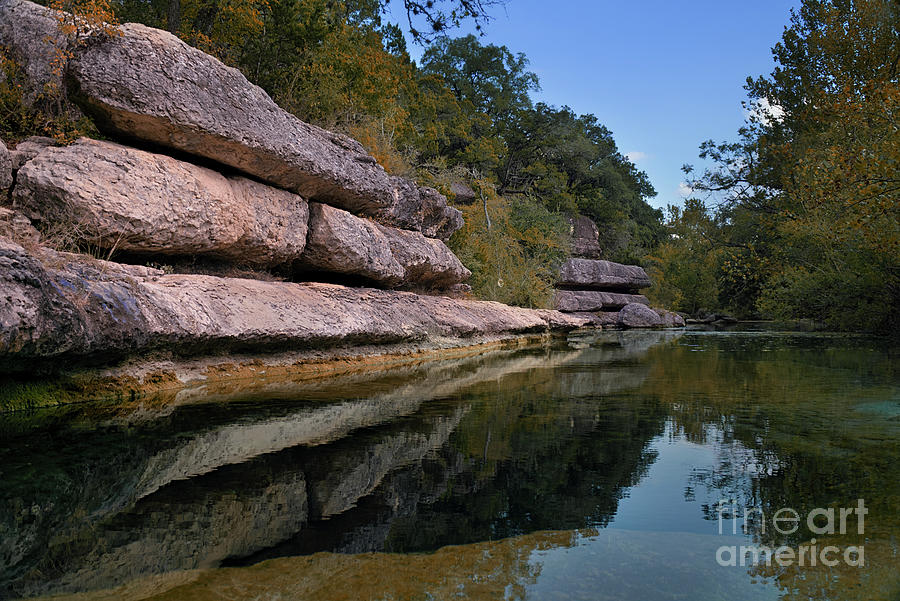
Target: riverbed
(618,465)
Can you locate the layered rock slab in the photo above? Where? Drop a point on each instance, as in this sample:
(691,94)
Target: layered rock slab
(66,306)
(147,84)
(119,197)
(594,300)
(591,274)
(340,242)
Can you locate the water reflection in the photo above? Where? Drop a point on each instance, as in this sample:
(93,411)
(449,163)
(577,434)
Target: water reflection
(588,470)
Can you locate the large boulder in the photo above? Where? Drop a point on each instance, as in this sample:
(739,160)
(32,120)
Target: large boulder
(118,197)
(637,315)
(343,243)
(585,237)
(575,301)
(148,84)
(6,178)
(71,309)
(602,275)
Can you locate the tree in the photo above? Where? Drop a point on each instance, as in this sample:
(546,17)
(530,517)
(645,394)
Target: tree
(572,164)
(811,191)
(494,80)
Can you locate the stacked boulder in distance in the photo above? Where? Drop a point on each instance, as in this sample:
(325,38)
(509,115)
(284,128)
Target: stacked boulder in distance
(606,293)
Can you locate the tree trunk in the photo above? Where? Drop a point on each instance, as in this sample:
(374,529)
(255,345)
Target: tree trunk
(174,17)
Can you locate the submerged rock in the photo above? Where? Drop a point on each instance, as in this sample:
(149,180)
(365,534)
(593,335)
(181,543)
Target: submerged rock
(118,197)
(69,306)
(6,166)
(602,275)
(594,300)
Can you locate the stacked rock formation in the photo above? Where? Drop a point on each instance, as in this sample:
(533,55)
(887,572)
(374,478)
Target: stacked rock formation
(231,177)
(605,293)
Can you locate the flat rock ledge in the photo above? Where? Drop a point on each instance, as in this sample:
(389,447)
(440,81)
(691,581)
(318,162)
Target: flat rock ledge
(572,301)
(593,274)
(58,306)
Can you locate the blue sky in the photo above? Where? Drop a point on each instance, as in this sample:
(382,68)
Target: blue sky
(662,75)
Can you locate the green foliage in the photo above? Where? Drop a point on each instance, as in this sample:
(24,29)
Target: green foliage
(684,267)
(40,114)
(810,195)
(571,163)
(513,247)
(494,80)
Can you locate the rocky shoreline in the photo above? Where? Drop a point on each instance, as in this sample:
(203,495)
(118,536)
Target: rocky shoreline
(205,166)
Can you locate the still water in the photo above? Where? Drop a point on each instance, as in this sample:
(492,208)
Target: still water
(615,466)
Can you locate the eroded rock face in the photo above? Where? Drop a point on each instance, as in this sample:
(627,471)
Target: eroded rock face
(27,149)
(594,300)
(148,84)
(602,275)
(69,306)
(585,238)
(119,197)
(6,179)
(343,243)
(636,315)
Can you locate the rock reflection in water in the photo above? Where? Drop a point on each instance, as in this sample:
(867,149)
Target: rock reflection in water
(207,482)
(519,474)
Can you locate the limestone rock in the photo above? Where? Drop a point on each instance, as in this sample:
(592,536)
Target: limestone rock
(670,319)
(17,227)
(599,318)
(120,197)
(75,310)
(148,84)
(585,237)
(594,300)
(6,178)
(426,262)
(27,149)
(602,275)
(343,243)
(563,321)
(636,315)
(462,193)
